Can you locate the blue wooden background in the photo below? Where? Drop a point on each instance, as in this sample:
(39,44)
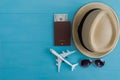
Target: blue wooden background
(26,34)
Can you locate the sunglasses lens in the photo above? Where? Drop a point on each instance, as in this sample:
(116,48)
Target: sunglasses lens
(99,63)
(85,63)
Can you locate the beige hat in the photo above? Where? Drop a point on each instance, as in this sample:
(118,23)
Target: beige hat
(95,30)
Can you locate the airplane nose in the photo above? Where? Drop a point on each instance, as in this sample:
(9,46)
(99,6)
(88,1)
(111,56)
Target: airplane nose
(51,49)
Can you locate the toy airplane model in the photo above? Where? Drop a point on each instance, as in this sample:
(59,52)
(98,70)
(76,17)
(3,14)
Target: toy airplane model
(60,58)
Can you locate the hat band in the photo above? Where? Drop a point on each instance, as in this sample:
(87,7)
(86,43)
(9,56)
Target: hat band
(81,26)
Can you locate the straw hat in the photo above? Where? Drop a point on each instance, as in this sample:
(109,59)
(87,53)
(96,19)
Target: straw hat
(95,30)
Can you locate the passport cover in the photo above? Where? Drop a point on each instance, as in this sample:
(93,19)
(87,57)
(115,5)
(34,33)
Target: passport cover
(62,34)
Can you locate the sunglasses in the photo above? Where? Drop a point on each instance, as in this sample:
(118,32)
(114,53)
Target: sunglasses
(87,62)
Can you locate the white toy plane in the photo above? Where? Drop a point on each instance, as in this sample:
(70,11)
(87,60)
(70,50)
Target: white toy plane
(60,58)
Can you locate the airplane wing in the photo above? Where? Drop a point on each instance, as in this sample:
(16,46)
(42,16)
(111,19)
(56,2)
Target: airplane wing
(65,54)
(59,61)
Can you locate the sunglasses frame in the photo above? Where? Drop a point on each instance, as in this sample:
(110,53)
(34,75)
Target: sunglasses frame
(97,62)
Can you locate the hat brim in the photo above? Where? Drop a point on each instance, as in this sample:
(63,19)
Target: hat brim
(77,19)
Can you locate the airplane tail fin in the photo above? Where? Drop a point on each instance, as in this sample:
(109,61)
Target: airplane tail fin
(73,66)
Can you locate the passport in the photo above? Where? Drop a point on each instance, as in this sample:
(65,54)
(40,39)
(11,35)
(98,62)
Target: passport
(62,33)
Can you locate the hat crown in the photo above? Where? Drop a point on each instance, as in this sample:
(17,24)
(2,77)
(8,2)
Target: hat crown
(102,33)
(97,32)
